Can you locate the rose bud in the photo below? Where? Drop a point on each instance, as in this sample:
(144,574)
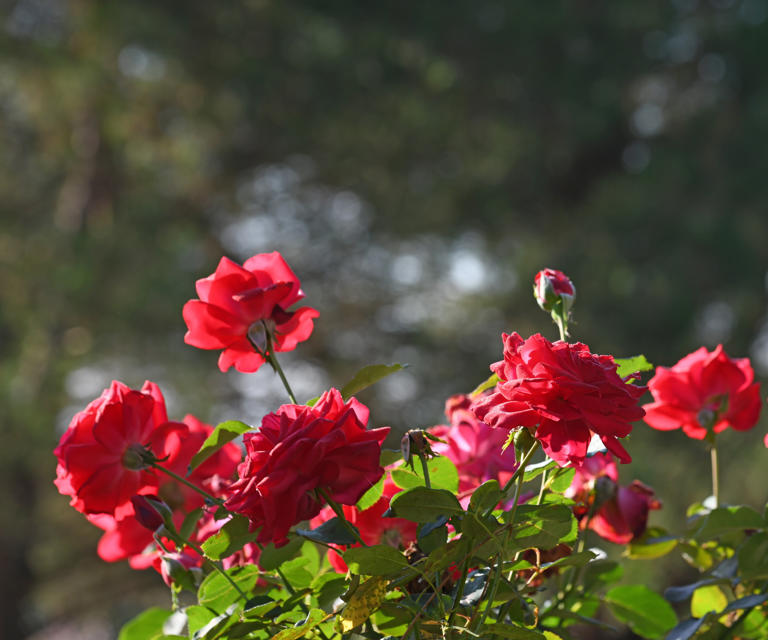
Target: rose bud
(552,288)
(151,512)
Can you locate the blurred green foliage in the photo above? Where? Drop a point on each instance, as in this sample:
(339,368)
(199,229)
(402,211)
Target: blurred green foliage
(416,163)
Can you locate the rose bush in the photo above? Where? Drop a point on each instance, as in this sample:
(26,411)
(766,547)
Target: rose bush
(462,533)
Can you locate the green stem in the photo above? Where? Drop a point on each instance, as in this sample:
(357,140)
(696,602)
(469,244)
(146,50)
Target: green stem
(521,468)
(715,475)
(543,486)
(340,514)
(425,468)
(186,482)
(459,592)
(492,592)
(272,359)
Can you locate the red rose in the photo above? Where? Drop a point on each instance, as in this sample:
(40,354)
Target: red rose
(551,286)
(473,446)
(704,391)
(100,464)
(300,449)
(622,512)
(127,539)
(374,529)
(242,309)
(563,394)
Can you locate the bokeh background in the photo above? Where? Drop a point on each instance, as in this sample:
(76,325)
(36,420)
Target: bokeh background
(416,164)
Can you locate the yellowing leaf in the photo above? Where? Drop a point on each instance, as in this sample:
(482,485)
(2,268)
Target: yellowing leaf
(365,600)
(706,599)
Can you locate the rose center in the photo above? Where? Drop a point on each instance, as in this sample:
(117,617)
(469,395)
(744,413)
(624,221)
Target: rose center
(134,457)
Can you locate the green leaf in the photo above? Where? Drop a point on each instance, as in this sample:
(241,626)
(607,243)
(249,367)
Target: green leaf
(420,504)
(562,480)
(145,626)
(753,557)
(314,617)
(218,624)
(633,364)
(726,520)
(442,475)
(601,572)
(485,497)
(217,593)
(297,573)
(541,526)
(332,531)
(643,610)
(378,560)
(272,557)
(190,521)
(367,376)
(198,617)
(371,496)
(534,470)
(233,536)
(390,456)
(222,434)
(654,543)
(488,383)
(510,631)
(706,599)
(391,619)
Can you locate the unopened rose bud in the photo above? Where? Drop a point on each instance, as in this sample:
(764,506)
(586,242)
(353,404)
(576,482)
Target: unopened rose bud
(176,570)
(552,288)
(523,440)
(151,512)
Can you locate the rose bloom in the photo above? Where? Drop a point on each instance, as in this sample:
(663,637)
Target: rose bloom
(563,394)
(551,285)
(127,539)
(473,446)
(374,529)
(622,512)
(704,391)
(239,305)
(99,454)
(300,449)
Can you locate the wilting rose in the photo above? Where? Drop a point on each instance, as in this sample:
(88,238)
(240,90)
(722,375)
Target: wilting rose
(615,512)
(704,391)
(374,529)
(241,309)
(473,446)
(301,449)
(100,454)
(563,394)
(551,286)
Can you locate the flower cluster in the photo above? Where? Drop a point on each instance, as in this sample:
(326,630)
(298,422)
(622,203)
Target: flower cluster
(146,482)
